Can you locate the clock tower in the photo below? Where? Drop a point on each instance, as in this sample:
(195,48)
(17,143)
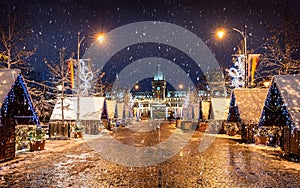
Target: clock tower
(159,85)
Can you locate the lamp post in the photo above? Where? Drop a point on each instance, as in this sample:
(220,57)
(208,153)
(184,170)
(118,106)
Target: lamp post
(61,88)
(221,34)
(243,34)
(100,38)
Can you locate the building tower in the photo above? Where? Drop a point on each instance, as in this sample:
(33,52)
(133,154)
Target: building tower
(159,85)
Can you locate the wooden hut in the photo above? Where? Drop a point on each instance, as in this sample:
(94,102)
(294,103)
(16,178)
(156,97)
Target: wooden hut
(282,110)
(246,106)
(89,115)
(16,109)
(204,113)
(111,108)
(218,113)
(205,109)
(219,108)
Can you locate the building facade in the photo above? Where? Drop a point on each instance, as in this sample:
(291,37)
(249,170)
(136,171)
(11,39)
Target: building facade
(161,103)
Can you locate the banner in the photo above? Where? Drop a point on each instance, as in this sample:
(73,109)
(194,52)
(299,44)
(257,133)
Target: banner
(253,62)
(3,57)
(71,71)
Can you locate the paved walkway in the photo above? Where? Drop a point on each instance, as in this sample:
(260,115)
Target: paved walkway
(205,160)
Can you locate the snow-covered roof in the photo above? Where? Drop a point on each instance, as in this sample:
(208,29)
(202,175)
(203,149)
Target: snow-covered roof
(250,102)
(111,105)
(220,108)
(7,79)
(289,88)
(205,106)
(90,108)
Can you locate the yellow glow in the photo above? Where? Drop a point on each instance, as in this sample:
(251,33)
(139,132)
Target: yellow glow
(136,87)
(101,38)
(180,86)
(221,33)
(267,83)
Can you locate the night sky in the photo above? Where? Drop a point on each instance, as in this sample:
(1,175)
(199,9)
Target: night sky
(57,22)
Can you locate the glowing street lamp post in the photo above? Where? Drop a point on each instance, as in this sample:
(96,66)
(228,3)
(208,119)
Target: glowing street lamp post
(101,39)
(61,89)
(221,34)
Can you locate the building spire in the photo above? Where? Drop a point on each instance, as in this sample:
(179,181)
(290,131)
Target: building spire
(158,75)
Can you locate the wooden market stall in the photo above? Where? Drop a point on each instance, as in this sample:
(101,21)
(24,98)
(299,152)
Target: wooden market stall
(282,110)
(89,116)
(16,109)
(218,113)
(245,109)
(205,109)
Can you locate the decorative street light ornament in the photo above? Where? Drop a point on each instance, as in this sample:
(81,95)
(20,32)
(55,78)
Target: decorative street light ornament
(186,100)
(131,100)
(238,72)
(86,76)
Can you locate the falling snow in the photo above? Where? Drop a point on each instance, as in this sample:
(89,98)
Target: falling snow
(67,19)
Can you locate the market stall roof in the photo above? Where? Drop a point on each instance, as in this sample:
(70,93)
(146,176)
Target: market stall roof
(219,108)
(7,80)
(14,93)
(289,87)
(111,105)
(90,108)
(249,103)
(205,108)
(286,90)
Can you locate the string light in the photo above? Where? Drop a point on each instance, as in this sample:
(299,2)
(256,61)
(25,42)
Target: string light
(86,76)
(10,108)
(238,72)
(274,111)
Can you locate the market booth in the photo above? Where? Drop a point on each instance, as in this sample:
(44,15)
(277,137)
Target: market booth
(219,112)
(282,111)
(61,126)
(245,109)
(16,112)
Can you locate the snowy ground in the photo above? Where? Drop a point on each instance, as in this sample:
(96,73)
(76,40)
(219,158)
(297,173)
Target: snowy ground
(225,163)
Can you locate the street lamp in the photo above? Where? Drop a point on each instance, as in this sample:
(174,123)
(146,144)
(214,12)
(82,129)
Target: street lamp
(267,83)
(221,34)
(61,88)
(181,86)
(136,87)
(101,39)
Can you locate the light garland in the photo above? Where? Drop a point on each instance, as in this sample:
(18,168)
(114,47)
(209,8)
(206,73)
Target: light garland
(275,111)
(86,76)
(238,74)
(186,101)
(131,100)
(11,104)
(233,114)
(27,96)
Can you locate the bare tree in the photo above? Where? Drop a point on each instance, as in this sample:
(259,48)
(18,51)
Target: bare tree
(45,94)
(282,53)
(100,88)
(43,99)
(15,28)
(59,73)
